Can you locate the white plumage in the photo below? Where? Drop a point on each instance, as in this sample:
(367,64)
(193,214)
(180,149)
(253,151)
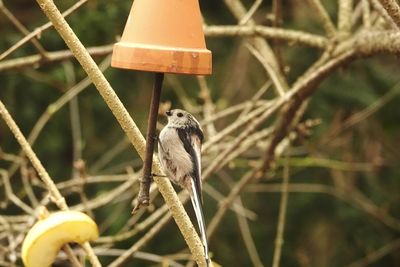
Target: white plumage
(179,151)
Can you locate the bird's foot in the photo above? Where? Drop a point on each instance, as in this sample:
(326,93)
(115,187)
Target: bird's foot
(157,175)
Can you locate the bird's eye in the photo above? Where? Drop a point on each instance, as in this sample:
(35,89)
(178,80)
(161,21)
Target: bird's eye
(179,114)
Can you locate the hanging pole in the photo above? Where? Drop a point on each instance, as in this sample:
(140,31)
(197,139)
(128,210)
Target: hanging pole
(145,182)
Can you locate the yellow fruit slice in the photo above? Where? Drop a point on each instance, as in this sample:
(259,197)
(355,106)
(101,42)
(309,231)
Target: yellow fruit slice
(47,236)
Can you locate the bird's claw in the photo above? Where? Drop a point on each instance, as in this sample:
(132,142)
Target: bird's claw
(158,175)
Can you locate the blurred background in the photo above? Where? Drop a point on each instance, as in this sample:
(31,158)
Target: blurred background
(344,190)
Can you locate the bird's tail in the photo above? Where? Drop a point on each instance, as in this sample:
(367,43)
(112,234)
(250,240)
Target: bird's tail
(198,209)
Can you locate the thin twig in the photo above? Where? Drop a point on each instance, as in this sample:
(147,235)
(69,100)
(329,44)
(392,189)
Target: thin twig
(167,259)
(51,57)
(355,199)
(292,36)
(254,99)
(40,30)
(248,239)
(239,11)
(135,247)
(107,197)
(58,198)
(383,13)
(56,195)
(323,17)
(237,124)
(154,217)
(11,196)
(376,255)
(238,209)
(282,216)
(393,9)
(250,12)
(277,22)
(71,255)
(208,106)
(344,17)
(22,29)
(53,108)
(74,115)
(366,12)
(271,72)
(368,111)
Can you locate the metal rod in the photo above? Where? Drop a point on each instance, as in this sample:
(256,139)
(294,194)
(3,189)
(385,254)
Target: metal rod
(144,191)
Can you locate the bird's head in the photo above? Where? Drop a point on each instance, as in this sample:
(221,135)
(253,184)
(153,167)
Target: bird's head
(180,118)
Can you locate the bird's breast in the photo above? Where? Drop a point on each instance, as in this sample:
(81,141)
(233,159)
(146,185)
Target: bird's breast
(171,148)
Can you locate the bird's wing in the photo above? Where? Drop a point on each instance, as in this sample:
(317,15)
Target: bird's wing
(196,144)
(191,138)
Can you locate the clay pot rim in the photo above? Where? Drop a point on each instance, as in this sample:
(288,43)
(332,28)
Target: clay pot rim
(166,59)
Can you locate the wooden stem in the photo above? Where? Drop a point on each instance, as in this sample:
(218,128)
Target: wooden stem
(144,198)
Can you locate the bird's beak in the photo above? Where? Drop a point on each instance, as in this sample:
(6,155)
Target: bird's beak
(168,113)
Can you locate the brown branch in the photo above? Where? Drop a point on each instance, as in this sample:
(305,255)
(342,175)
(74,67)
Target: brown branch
(39,30)
(247,238)
(282,216)
(354,198)
(277,22)
(366,14)
(51,57)
(250,12)
(141,242)
(393,9)
(22,29)
(53,108)
(58,199)
(376,255)
(144,192)
(239,11)
(371,43)
(208,105)
(383,13)
(323,17)
(344,17)
(271,71)
(368,111)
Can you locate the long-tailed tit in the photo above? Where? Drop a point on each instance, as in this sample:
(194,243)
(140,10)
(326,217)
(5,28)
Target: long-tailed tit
(179,151)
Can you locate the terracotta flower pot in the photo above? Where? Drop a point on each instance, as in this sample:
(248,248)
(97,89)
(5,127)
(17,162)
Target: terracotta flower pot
(163,36)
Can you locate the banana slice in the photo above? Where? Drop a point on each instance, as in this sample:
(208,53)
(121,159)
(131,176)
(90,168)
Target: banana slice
(47,236)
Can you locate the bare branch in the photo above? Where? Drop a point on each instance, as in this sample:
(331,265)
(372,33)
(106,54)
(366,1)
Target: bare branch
(323,17)
(55,193)
(22,29)
(393,9)
(51,57)
(282,216)
(344,17)
(291,36)
(39,30)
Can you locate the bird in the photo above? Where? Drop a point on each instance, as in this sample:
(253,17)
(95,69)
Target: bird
(179,152)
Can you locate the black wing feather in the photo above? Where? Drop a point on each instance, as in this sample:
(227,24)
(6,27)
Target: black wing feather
(185,136)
